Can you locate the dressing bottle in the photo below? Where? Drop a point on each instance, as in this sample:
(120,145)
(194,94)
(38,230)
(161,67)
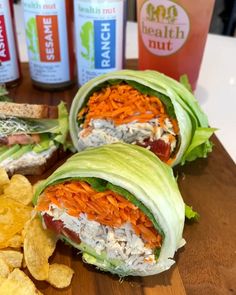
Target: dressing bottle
(99,36)
(10,73)
(49,35)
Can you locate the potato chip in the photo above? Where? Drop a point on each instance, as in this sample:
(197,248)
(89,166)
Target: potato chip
(4,268)
(2,279)
(24,263)
(18,283)
(60,275)
(16,241)
(13,258)
(19,189)
(39,244)
(13,216)
(3,179)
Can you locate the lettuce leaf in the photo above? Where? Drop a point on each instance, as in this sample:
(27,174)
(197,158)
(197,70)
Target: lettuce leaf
(200,145)
(4,94)
(185,81)
(191,214)
(63,124)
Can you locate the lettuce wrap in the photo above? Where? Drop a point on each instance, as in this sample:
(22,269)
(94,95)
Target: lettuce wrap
(145,108)
(119,205)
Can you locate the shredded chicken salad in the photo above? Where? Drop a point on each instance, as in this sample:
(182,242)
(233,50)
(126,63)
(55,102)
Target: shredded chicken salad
(118,243)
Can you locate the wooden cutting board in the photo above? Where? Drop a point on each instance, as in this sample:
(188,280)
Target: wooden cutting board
(207,263)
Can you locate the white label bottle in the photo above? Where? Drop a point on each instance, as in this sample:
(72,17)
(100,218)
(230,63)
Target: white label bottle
(100,37)
(49,35)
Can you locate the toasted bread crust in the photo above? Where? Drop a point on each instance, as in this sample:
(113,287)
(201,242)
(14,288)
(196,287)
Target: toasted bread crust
(32,111)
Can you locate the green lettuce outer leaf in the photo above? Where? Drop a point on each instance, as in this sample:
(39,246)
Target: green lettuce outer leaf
(63,125)
(140,173)
(185,81)
(4,94)
(191,214)
(179,102)
(200,145)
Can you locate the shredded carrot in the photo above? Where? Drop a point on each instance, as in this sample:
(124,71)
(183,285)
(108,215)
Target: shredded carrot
(122,104)
(107,208)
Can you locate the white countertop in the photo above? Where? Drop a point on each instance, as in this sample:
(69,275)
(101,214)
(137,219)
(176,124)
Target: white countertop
(216,90)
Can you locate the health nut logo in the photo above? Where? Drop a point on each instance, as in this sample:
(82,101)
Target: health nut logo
(164,26)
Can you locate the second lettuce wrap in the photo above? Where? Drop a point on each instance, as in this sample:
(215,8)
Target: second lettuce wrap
(119,205)
(145,108)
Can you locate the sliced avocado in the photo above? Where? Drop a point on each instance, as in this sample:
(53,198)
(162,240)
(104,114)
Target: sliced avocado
(3,149)
(106,265)
(103,264)
(86,249)
(9,152)
(24,149)
(44,144)
(103,257)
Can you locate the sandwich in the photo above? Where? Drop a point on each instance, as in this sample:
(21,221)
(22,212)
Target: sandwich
(119,205)
(31,136)
(145,108)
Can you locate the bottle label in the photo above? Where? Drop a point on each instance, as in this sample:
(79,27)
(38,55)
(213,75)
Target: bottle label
(47,41)
(9,68)
(99,37)
(164,26)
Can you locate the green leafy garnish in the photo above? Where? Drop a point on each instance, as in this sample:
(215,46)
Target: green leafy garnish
(185,81)
(63,124)
(4,94)
(191,214)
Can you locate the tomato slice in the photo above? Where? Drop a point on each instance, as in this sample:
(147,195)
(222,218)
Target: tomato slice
(159,147)
(57,226)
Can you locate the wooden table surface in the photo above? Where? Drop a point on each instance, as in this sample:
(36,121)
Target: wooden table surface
(207,263)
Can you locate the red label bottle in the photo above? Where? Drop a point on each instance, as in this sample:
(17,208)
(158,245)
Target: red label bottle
(10,73)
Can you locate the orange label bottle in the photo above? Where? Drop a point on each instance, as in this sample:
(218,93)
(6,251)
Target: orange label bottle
(9,59)
(172,35)
(49,27)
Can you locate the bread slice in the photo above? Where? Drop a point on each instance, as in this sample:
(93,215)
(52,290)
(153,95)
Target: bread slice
(24,110)
(36,170)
